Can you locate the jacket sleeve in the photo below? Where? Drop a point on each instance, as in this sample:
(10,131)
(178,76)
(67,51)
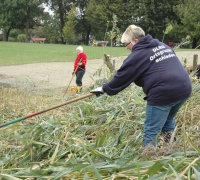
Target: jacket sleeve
(127,74)
(76,63)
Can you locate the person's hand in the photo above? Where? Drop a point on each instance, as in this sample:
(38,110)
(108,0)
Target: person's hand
(97,91)
(80,64)
(73,72)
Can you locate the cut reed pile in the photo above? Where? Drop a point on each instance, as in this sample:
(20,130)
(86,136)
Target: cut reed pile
(95,138)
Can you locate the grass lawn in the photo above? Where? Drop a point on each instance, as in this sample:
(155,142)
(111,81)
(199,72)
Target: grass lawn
(13,53)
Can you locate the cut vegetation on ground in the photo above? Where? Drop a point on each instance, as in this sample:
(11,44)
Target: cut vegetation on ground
(94,138)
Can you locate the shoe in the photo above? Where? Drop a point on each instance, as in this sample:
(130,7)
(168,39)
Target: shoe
(167,136)
(78,89)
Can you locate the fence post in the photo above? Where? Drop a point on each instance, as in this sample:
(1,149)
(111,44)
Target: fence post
(114,65)
(195,61)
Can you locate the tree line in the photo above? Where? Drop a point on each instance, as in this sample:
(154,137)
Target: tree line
(80,21)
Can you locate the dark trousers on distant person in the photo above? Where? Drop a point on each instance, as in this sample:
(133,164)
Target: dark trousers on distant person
(79,76)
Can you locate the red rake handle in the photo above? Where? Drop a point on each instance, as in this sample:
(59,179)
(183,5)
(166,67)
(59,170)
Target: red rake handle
(70,81)
(68,85)
(45,110)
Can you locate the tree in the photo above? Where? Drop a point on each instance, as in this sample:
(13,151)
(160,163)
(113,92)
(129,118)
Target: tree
(189,14)
(83,27)
(100,15)
(69,28)
(51,28)
(97,17)
(10,17)
(19,14)
(154,15)
(33,12)
(93,19)
(60,8)
(114,34)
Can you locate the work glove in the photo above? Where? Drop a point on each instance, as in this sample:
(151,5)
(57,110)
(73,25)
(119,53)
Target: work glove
(80,64)
(97,91)
(73,72)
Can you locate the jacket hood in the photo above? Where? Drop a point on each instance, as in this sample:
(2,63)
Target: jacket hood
(146,42)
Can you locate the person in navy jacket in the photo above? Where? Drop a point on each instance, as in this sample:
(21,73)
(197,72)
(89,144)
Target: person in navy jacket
(155,67)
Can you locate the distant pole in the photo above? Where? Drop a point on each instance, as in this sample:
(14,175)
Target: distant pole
(195,61)
(114,65)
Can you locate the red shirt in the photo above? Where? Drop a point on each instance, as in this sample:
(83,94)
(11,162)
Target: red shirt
(81,58)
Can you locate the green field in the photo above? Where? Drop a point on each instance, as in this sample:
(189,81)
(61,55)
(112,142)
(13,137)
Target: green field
(15,53)
(12,53)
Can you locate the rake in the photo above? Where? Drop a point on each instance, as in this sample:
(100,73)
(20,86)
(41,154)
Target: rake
(45,110)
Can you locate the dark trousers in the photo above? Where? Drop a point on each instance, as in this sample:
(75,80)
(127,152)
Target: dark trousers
(79,76)
(198,74)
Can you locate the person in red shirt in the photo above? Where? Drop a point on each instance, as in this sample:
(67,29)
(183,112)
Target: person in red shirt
(79,67)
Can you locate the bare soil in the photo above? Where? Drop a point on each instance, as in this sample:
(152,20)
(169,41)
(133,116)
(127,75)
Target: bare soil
(50,75)
(59,74)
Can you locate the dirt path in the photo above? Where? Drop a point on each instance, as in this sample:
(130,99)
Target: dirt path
(49,75)
(59,74)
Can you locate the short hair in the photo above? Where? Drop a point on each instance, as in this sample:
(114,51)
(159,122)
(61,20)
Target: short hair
(131,33)
(80,48)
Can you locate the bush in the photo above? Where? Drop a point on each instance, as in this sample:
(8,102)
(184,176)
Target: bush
(10,39)
(21,38)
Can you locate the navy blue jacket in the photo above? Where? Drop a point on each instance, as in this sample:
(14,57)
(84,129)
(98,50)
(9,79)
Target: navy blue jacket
(153,66)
